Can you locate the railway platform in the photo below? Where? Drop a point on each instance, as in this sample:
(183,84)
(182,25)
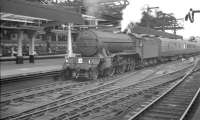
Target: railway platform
(10,69)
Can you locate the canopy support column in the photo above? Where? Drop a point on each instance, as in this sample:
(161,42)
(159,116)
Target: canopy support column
(32,47)
(19,57)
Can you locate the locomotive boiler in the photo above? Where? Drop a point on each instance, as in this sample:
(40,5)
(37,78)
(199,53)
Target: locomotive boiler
(101,53)
(91,43)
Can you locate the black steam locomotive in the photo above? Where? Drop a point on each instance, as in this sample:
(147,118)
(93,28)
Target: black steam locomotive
(106,53)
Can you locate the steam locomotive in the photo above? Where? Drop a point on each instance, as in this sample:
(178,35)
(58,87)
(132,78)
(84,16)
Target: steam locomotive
(106,53)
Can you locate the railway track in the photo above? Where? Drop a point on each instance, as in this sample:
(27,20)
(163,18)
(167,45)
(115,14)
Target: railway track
(21,91)
(134,99)
(174,103)
(95,94)
(30,97)
(29,76)
(8,97)
(11,95)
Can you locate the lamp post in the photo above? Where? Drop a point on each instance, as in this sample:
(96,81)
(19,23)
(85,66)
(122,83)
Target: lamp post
(69,47)
(69,40)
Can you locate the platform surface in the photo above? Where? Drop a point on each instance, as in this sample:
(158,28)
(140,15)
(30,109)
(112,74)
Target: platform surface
(11,69)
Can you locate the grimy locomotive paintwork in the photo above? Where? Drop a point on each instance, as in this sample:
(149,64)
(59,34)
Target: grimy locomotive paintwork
(105,53)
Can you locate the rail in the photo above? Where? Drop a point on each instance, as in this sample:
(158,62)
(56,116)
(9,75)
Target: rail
(60,104)
(138,114)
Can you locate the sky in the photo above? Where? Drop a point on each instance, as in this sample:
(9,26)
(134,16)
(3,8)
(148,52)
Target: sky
(178,7)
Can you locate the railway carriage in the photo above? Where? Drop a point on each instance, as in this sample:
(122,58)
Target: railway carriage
(173,49)
(193,48)
(105,53)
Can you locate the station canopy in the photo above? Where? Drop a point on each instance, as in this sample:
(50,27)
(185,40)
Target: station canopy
(53,12)
(31,12)
(109,10)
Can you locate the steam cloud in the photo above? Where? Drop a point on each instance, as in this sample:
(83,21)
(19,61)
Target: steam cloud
(92,7)
(132,13)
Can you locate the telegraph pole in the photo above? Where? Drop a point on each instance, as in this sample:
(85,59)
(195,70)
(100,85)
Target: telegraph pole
(174,24)
(163,22)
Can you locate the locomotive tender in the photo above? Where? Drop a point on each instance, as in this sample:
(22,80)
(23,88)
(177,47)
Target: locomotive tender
(107,53)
